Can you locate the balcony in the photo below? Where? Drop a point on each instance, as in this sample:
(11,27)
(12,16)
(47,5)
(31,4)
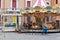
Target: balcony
(16,10)
(9,10)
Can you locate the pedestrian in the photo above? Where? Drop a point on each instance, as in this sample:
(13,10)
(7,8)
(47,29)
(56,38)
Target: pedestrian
(45,29)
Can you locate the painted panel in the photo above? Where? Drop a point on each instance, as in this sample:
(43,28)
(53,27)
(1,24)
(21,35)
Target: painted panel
(14,18)
(10,21)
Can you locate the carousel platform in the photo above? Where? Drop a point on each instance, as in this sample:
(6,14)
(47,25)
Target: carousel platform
(40,31)
(35,31)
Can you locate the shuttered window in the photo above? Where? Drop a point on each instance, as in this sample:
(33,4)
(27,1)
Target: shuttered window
(0,3)
(28,3)
(13,4)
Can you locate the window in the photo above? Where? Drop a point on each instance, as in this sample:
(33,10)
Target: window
(0,18)
(0,3)
(13,4)
(28,3)
(48,3)
(56,1)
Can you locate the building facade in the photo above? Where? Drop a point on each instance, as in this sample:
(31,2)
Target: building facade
(12,4)
(10,11)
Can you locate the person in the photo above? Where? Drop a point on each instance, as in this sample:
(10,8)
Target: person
(25,25)
(45,29)
(29,25)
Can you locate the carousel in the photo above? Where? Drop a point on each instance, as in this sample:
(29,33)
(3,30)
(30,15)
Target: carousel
(34,19)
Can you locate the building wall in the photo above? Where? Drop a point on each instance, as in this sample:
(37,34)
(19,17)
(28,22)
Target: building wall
(2,3)
(33,2)
(7,3)
(59,1)
(22,3)
(53,2)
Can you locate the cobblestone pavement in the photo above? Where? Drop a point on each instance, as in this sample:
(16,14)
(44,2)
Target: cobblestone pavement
(29,36)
